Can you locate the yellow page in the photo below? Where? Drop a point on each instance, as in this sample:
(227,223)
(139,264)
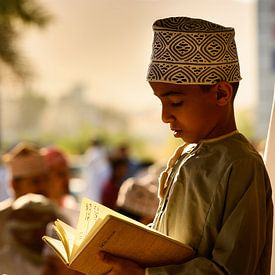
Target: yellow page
(66,234)
(58,247)
(92,213)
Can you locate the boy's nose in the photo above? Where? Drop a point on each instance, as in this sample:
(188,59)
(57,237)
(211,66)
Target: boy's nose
(166,115)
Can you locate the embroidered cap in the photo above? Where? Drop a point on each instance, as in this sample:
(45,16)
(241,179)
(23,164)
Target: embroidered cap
(193,51)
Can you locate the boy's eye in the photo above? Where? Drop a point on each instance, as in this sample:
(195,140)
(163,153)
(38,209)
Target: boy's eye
(177,103)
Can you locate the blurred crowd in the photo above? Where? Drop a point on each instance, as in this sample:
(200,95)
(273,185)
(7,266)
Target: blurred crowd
(37,187)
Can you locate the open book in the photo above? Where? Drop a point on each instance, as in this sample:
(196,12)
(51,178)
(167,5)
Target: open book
(100,228)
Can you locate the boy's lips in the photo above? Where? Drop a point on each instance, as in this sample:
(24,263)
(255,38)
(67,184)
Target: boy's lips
(176,131)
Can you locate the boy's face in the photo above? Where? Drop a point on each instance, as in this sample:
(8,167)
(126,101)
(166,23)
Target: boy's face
(191,112)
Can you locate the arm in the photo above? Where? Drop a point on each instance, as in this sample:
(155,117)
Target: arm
(243,237)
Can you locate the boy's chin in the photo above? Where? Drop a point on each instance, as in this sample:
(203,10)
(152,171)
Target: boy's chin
(185,139)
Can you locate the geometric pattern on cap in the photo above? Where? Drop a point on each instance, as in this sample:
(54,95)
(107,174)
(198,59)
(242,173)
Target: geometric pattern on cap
(198,53)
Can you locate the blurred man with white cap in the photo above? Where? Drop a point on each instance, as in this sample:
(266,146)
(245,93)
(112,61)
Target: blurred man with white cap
(27,174)
(21,252)
(138,197)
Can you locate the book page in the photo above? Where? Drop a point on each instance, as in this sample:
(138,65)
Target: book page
(58,247)
(91,213)
(66,234)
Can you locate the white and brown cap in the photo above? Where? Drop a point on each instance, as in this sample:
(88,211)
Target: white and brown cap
(193,51)
(138,195)
(25,160)
(26,224)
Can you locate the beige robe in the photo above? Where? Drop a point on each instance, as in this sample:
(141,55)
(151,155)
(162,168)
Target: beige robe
(219,202)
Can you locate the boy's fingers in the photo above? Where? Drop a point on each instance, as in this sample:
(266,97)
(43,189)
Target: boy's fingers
(107,258)
(120,266)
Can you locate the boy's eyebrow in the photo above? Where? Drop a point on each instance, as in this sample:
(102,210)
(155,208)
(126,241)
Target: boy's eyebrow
(171,93)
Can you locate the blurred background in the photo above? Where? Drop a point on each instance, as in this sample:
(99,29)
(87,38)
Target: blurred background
(73,83)
(74,70)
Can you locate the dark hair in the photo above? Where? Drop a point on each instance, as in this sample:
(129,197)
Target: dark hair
(235,86)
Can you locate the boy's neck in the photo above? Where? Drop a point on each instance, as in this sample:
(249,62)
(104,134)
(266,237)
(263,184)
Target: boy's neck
(219,137)
(226,125)
(221,130)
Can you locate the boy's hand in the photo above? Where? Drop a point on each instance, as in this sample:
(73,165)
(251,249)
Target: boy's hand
(120,266)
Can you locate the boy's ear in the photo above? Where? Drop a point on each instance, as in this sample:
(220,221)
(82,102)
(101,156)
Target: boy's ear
(224,93)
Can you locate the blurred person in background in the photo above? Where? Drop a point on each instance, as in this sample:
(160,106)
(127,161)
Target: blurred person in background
(133,165)
(58,185)
(4,190)
(58,176)
(28,173)
(119,168)
(97,170)
(138,196)
(22,247)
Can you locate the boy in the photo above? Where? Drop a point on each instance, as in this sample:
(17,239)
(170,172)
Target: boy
(215,193)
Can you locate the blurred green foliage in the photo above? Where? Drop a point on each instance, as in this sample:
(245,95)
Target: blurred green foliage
(15,15)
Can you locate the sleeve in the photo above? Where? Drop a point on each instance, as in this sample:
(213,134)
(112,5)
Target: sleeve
(240,243)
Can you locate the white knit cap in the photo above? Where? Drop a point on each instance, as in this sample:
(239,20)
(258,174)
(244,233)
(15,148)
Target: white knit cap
(139,196)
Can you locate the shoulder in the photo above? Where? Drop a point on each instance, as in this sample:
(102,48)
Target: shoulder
(239,162)
(224,159)
(5,210)
(5,205)
(234,149)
